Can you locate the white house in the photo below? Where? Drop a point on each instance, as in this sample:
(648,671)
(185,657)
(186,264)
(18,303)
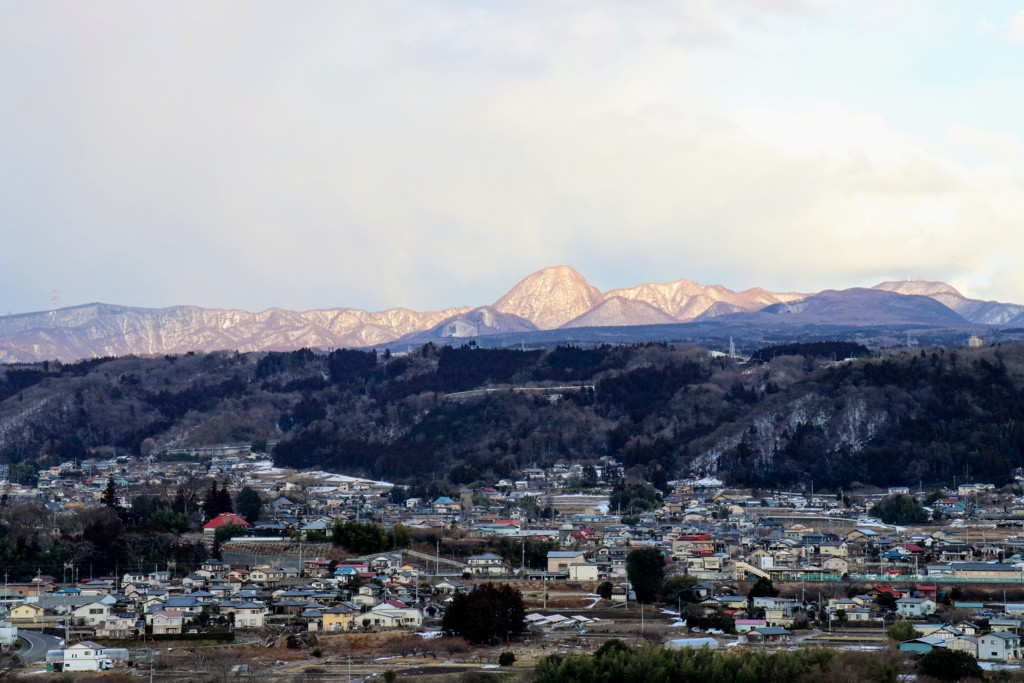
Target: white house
(164,621)
(915,607)
(118,626)
(92,614)
(584,571)
(247,614)
(86,656)
(487,564)
(999,646)
(394,614)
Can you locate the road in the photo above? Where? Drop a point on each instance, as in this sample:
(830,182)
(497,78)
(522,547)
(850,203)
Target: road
(36,645)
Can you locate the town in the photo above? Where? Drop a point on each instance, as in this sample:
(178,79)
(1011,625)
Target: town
(327,569)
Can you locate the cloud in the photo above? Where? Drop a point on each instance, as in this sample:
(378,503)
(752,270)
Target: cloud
(986,144)
(1011,30)
(431,154)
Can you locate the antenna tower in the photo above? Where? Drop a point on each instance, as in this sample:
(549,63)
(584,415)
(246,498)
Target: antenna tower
(55,300)
(732,348)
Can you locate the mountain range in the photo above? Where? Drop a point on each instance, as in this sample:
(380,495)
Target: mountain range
(552,299)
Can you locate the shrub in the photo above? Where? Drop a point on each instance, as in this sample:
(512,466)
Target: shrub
(506,658)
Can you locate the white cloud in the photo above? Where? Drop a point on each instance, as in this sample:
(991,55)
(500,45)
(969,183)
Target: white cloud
(986,144)
(430,154)
(1011,30)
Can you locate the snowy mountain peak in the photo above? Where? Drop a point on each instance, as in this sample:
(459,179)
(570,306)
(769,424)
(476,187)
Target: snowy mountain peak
(550,297)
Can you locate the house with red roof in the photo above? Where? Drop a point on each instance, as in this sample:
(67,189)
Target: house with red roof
(224,519)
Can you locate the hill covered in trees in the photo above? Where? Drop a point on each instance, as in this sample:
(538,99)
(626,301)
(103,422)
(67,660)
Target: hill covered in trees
(795,414)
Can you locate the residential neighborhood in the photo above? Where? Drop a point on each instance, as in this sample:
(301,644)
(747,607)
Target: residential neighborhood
(280,572)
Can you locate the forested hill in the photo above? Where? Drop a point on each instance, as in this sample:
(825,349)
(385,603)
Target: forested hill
(802,412)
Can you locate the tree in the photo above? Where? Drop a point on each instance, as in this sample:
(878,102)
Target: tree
(491,613)
(248,504)
(645,568)
(676,589)
(605,590)
(949,665)
(762,588)
(902,631)
(109,497)
(900,508)
(217,500)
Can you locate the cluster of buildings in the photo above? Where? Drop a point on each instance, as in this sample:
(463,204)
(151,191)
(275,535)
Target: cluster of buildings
(717,535)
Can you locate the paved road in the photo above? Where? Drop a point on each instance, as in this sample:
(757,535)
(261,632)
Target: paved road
(36,645)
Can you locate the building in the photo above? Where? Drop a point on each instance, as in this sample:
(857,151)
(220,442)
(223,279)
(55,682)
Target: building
(337,618)
(769,634)
(86,656)
(487,564)
(999,646)
(915,607)
(222,520)
(559,560)
(164,622)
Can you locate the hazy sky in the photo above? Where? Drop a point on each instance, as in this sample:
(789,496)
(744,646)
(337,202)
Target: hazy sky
(430,153)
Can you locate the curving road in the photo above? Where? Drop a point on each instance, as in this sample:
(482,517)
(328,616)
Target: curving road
(35,645)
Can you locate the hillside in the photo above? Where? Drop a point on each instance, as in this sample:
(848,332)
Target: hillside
(661,411)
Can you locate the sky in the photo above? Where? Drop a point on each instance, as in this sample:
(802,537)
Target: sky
(431,153)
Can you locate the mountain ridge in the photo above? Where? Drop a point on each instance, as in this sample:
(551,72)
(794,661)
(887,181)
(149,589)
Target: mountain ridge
(551,299)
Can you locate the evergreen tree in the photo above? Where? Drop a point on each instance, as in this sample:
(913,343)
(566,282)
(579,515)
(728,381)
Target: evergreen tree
(645,568)
(248,504)
(217,500)
(489,614)
(109,497)
(224,501)
(949,665)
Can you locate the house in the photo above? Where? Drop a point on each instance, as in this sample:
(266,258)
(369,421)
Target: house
(747,625)
(385,563)
(584,571)
(1000,646)
(164,622)
(559,560)
(732,602)
(922,645)
(119,625)
(444,505)
(968,644)
(28,613)
(86,656)
(224,519)
(337,618)
(246,614)
(368,595)
(91,615)
(447,587)
(915,607)
(395,614)
(836,565)
(266,575)
(487,564)
(769,634)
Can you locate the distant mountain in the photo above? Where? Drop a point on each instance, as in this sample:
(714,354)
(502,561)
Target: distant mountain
(686,300)
(478,322)
(550,298)
(974,310)
(618,311)
(96,330)
(869,307)
(541,304)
